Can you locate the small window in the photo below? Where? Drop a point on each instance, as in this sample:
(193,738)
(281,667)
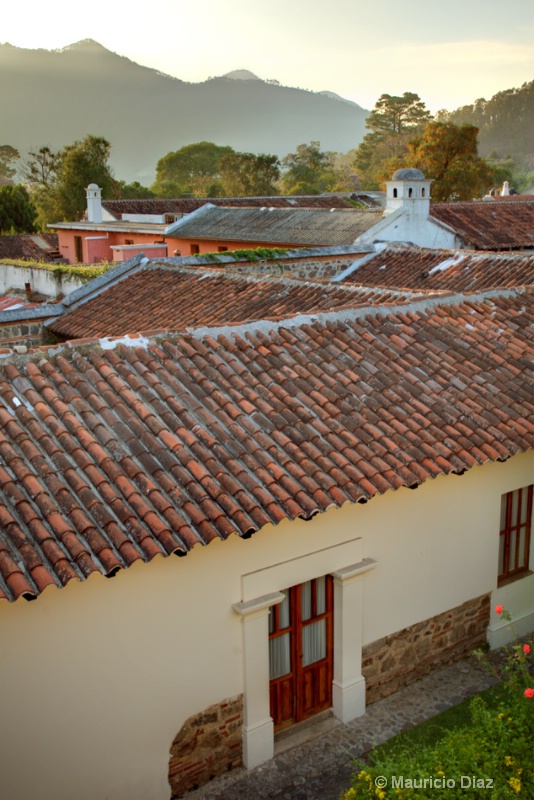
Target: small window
(395,193)
(128,241)
(410,192)
(195,249)
(169,219)
(222,249)
(422,192)
(514,539)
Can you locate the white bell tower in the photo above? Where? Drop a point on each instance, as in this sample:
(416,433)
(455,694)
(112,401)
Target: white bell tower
(408,189)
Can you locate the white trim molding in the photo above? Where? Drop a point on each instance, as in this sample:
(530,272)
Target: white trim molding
(260,591)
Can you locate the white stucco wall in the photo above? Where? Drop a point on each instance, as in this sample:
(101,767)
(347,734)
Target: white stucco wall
(97,678)
(409,225)
(42,281)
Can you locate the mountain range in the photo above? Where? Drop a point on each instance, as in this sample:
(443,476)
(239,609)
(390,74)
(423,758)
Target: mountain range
(55,97)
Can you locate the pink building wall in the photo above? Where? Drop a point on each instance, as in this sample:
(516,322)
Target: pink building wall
(96,249)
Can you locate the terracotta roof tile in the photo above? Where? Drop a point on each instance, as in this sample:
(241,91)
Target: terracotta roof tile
(419,268)
(109,456)
(181,297)
(30,247)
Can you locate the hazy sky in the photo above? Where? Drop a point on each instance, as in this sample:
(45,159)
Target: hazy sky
(449,52)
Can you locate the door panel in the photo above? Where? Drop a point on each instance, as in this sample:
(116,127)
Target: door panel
(301,652)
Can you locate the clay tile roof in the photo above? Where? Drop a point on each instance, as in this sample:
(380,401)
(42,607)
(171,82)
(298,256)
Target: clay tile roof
(490,225)
(176,298)
(30,247)
(185,205)
(115,452)
(297,226)
(458,270)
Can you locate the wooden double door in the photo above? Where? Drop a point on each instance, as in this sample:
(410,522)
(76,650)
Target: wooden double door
(301,652)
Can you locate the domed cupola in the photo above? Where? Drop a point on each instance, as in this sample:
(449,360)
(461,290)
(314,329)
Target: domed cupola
(408,188)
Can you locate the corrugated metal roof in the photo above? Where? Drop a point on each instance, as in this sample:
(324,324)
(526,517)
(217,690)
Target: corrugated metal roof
(276,225)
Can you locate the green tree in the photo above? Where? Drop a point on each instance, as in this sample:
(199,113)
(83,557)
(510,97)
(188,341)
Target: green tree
(448,154)
(40,169)
(392,122)
(249,175)
(394,114)
(309,170)
(8,155)
(132,191)
(81,163)
(193,169)
(17,213)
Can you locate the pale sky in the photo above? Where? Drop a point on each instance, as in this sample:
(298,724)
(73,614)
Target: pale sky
(450,53)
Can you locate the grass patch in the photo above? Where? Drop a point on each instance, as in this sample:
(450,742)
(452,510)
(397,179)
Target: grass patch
(433,729)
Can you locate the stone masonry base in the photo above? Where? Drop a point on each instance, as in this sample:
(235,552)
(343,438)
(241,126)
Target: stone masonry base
(406,656)
(207,745)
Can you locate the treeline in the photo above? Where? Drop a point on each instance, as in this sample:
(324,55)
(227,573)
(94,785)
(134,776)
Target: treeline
(48,186)
(505,123)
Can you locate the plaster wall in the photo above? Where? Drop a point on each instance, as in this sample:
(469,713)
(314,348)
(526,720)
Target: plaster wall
(97,678)
(419,229)
(41,280)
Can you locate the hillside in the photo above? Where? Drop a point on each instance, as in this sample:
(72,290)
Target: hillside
(54,97)
(505,123)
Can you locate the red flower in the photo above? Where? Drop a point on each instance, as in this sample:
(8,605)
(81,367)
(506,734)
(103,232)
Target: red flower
(529,693)
(498,609)
(526,649)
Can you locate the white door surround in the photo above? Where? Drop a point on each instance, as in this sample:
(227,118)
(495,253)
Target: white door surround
(262,589)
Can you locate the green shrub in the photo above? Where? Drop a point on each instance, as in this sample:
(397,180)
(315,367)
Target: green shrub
(489,758)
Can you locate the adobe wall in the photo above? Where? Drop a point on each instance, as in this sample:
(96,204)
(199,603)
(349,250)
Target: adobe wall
(207,745)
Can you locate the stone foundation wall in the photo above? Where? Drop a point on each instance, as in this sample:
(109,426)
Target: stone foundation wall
(207,745)
(311,269)
(29,334)
(404,657)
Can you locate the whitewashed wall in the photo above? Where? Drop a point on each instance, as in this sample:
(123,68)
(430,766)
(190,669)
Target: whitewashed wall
(43,281)
(97,678)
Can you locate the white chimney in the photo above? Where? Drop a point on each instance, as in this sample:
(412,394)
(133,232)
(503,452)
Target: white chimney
(505,189)
(94,203)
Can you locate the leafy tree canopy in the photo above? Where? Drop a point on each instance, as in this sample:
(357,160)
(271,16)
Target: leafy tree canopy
(308,171)
(57,181)
(40,168)
(249,175)
(393,114)
(392,122)
(448,154)
(8,155)
(132,191)
(82,163)
(17,213)
(193,169)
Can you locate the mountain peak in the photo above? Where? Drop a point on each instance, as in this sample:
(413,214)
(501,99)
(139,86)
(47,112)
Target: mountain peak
(241,75)
(85,46)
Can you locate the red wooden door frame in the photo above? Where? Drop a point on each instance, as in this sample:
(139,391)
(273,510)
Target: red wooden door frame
(306,689)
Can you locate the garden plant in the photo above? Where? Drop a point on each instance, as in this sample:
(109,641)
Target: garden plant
(491,757)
